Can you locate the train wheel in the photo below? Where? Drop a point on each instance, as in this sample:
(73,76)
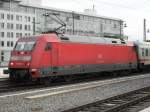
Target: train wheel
(45,81)
(68,78)
(12,77)
(141,67)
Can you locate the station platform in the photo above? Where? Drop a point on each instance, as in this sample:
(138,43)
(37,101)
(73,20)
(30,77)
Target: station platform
(3,75)
(145,110)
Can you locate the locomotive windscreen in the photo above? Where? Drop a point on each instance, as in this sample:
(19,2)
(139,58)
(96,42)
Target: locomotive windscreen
(24,46)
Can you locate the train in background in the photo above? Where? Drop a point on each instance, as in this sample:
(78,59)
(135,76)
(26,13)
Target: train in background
(144,53)
(53,55)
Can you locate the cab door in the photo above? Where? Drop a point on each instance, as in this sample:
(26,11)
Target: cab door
(55,57)
(48,55)
(46,60)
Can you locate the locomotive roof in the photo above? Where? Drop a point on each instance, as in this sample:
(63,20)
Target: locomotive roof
(26,39)
(77,39)
(92,39)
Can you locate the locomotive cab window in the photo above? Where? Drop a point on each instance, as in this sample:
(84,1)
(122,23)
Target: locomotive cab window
(24,46)
(48,46)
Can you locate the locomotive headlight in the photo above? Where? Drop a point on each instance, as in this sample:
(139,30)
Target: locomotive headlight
(33,70)
(28,64)
(11,63)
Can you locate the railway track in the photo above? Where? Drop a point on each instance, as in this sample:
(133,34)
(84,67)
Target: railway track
(120,103)
(12,87)
(3,79)
(8,86)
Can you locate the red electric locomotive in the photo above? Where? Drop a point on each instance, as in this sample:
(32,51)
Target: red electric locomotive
(49,55)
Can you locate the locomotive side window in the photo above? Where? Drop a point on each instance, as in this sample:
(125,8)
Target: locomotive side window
(142,51)
(48,46)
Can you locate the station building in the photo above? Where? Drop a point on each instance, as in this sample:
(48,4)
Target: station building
(27,17)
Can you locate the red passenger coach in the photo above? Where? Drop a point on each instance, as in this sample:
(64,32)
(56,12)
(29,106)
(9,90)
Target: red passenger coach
(49,55)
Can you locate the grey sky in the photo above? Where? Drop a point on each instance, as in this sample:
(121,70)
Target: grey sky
(131,11)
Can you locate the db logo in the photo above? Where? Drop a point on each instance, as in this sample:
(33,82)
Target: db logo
(100,56)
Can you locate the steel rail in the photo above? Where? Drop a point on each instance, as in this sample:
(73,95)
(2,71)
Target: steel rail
(115,104)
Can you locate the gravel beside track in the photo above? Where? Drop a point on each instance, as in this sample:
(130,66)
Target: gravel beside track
(56,99)
(120,103)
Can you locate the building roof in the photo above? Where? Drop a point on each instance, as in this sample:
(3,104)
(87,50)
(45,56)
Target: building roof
(69,11)
(10,0)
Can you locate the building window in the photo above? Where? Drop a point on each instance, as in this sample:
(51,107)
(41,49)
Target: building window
(2,43)
(17,17)
(29,28)
(2,58)
(12,17)
(2,55)
(12,26)
(2,16)
(8,34)
(8,16)
(2,25)
(8,43)
(26,19)
(1,34)
(2,52)
(20,18)
(8,26)
(12,34)
(20,26)
(115,26)
(29,19)
(12,43)
(18,35)
(26,34)
(26,27)
(17,26)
